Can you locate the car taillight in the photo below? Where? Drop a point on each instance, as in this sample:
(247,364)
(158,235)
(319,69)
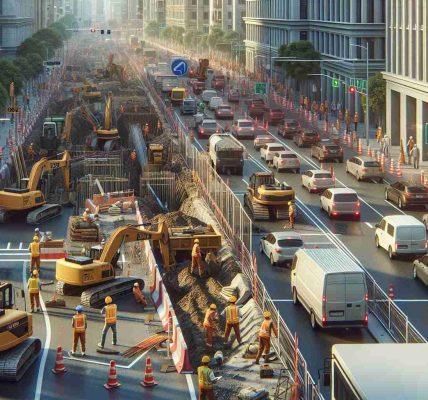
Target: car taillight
(324,320)
(366,297)
(252,128)
(396,246)
(357,213)
(366,319)
(324,298)
(408,194)
(358,204)
(425,244)
(279,251)
(333,205)
(202,130)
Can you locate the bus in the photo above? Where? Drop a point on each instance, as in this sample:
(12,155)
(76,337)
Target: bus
(379,371)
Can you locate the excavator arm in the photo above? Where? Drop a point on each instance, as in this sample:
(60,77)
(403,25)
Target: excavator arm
(66,133)
(108,121)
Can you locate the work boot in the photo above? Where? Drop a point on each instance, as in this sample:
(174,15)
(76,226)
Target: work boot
(114,343)
(83,354)
(100,345)
(73,353)
(257,362)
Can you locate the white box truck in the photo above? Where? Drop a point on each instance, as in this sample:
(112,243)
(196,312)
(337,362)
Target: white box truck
(331,287)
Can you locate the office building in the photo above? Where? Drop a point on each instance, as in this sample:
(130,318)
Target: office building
(227,15)
(189,14)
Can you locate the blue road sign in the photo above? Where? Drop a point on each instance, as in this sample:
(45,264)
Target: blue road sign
(179,67)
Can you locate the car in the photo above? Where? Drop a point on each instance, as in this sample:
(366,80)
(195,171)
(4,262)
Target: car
(215,102)
(340,201)
(306,137)
(363,167)
(207,94)
(243,128)
(286,160)
(289,128)
(208,127)
(218,82)
(260,140)
(256,108)
(233,96)
(405,194)
(420,269)
(199,87)
(223,111)
(268,150)
(189,106)
(317,180)
(327,151)
(280,247)
(275,116)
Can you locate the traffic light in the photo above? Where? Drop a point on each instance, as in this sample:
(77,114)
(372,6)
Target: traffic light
(108,31)
(352,89)
(335,83)
(102,31)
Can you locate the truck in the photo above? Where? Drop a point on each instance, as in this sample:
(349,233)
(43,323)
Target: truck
(168,83)
(226,154)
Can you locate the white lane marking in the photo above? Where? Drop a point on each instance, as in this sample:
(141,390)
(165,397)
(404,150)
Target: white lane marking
(411,300)
(8,246)
(392,205)
(191,387)
(20,245)
(316,234)
(15,249)
(282,300)
(369,225)
(316,243)
(23,259)
(245,181)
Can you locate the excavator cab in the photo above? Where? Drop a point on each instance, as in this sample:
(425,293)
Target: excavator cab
(96,251)
(6,297)
(257,180)
(49,139)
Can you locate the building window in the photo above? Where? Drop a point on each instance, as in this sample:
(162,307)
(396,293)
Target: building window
(193,14)
(303,35)
(370,11)
(194,2)
(229,15)
(206,15)
(206,2)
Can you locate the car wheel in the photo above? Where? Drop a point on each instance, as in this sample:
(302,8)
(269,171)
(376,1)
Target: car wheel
(376,240)
(390,253)
(329,212)
(313,320)
(358,176)
(297,170)
(271,260)
(295,298)
(415,274)
(386,195)
(400,203)
(261,248)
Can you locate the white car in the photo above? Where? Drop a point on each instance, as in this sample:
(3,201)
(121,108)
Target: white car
(280,247)
(243,129)
(286,160)
(340,201)
(363,167)
(317,180)
(215,102)
(268,150)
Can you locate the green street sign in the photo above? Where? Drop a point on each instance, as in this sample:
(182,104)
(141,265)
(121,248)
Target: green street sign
(361,84)
(260,88)
(335,83)
(426,133)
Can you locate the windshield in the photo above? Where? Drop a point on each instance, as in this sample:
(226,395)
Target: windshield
(292,124)
(322,176)
(290,243)
(417,189)
(224,108)
(310,133)
(346,198)
(177,95)
(288,156)
(371,164)
(209,125)
(276,148)
(332,147)
(245,124)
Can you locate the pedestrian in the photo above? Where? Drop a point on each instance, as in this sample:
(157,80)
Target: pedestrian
(196,258)
(347,121)
(265,334)
(38,233)
(34,249)
(31,153)
(386,145)
(333,109)
(379,134)
(210,319)
(110,312)
(291,215)
(415,154)
(409,146)
(138,295)
(356,120)
(86,216)
(206,380)
(79,324)
(232,320)
(339,109)
(34,287)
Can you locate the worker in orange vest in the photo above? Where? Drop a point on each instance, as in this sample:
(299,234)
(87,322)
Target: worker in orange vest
(34,250)
(146,131)
(110,312)
(232,320)
(264,336)
(138,295)
(33,286)
(196,257)
(206,380)
(356,120)
(291,214)
(379,134)
(210,319)
(79,324)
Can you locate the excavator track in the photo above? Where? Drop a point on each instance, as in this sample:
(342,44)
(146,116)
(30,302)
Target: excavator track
(15,362)
(65,289)
(6,215)
(43,213)
(94,296)
(258,211)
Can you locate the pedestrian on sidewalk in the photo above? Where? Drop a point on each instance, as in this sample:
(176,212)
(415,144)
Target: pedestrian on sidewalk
(410,145)
(415,154)
(333,109)
(386,145)
(356,120)
(79,324)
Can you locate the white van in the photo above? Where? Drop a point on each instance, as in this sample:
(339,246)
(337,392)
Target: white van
(207,94)
(268,150)
(401,234)
(331,287)
(215,102)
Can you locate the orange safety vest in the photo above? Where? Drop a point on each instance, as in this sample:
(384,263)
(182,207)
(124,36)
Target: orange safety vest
(209,318)
(196,251)
(79,323)
(33,285)
(265,328)
(204,377)
(291,210)
(35,249)
(356,118)
(111,312)
(232,316)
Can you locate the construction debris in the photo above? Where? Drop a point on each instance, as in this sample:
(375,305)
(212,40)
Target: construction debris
(81,231)
(146,344)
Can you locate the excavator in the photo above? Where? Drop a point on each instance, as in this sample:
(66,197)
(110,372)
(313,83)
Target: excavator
(56,131)
(18,350)
(88,90)
(266,198)
(115,71)
(14,201)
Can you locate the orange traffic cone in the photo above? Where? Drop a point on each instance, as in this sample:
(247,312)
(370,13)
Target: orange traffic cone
(112,377)
(59,362)
(391,166)
(398,170)
(149,379)
(369,151)
(360,147)
(391,292)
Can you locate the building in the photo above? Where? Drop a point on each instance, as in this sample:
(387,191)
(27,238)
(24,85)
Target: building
(227,15)
(333,26)
(189,14)
(407,72)
(154,10)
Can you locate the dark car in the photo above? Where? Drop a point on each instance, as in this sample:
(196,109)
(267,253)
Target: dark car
(327,151)
(256,108)
(306,137)
(288,128)
(406,194)
(199,87)
(218,82)
(233,96)
(275,116)
(224,112)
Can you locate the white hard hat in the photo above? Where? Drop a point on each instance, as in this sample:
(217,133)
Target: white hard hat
(36,230)
(411,137)
(136,284)
(87,210)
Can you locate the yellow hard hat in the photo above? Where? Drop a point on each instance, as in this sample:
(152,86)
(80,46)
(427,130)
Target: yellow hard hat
(206,359)
(108,300)
(196,241)
(213,307)
(266,314)
(290,203)
(36,238)
(232,299)
(35,272)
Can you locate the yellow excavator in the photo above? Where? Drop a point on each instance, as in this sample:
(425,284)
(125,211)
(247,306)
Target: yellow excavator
(88,90)
(97,277)
(14,201)
(56,131)
(266,198)
(18,350)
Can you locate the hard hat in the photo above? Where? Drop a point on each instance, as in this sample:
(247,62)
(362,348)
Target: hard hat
(108,300)
(136,284)
(290,203)
(213,307)
(411,137)
(196,241)
(79,308)
(87,210)
(266,314)
(36,230)
(206,359)
(36,238)
(232,299)
(35,272)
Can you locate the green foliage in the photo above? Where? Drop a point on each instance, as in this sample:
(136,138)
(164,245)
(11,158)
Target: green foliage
(152,29)
(69,21)
(173,33)
(4,96)
(31,45)
(216,36)
(50,38)
(9,72)
(36,63)
(377,94)
(61,29)
(25,66)
(231,36)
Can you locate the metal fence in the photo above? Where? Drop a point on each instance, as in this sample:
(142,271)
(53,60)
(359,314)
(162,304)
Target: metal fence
(161,184)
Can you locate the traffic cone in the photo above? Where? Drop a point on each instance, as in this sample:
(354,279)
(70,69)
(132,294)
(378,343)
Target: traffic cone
(149,379)
(391,166)
(267,126)
(391,292)
(332,171)
(59,362)
(398,170)
(112,382)
(369,151)
(325,126)
(360,147)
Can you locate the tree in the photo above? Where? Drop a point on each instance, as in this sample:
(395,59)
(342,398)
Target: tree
(299,71)
(4,96)
(36,63)
(29,46)
(215,37)
(24,66)
(152,29)
(377,97)
(69,21)
(188,38)
(61,29)
(51,38)
(9,72)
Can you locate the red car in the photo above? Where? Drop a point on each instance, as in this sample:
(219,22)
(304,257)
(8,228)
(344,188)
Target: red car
(219,82)
(256,108)
(224,112)
(199,87)
(233,96)
(275,116)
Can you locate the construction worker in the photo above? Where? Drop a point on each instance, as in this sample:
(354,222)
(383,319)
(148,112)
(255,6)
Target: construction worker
(86,216)
(410,145)
(31,152)
(379,134)
(110,312)
(211,316)
(146,131)
(232,320)
(38,234)
(206,380)
(138,295)
(356,120)
(196,257)
(291,214)
(34,249)
(264,336)
(33,286)
(79,324)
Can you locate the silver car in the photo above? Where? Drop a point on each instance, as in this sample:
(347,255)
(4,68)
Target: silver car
(420,269)
(280,247)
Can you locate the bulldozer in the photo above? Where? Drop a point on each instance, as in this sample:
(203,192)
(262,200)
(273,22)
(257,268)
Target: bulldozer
(18,350)
(14,201)
(266,198)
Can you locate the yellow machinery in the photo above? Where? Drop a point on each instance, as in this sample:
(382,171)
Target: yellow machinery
(156,152)
(14,201)
(178,94)
(88,90)
(266,198)
(56,131)
(115,71)
(18,350)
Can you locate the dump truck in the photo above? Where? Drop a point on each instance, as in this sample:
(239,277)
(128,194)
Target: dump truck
(226,154)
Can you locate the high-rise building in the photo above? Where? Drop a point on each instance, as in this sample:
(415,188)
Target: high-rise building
(227,15)
(189,14)
(335,27)
(407,72)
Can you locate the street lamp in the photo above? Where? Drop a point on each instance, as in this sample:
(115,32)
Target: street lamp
(366,48)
